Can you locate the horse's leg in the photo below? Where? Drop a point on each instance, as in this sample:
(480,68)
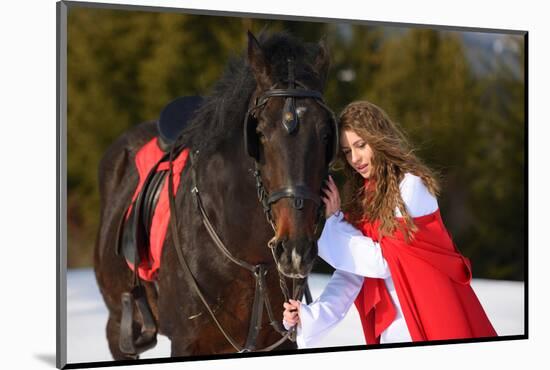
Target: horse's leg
(113,325)
(114,278)
(112,294)
(181,346)
(113,337)
(178,349)
(117,180)
(192,342)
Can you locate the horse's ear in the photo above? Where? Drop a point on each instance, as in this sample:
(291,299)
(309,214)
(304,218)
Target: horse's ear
(322,60)
(257,62)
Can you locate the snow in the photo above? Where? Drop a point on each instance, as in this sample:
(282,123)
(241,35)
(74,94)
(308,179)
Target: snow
(503,302)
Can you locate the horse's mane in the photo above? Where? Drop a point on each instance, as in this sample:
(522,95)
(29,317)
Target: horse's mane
(223,111)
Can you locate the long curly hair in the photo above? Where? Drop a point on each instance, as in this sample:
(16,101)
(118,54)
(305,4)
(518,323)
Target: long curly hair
(393,157)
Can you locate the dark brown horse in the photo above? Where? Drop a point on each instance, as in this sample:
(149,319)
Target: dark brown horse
(289,140)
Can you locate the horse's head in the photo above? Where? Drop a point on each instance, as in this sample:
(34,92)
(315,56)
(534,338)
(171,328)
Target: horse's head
(292,136)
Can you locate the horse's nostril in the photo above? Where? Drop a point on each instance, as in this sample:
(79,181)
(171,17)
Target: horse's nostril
(279,248)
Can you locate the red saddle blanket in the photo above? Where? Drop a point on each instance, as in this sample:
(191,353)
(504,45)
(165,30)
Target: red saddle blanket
(146,158)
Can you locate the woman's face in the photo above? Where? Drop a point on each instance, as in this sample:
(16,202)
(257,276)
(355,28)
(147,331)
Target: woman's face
(357,152)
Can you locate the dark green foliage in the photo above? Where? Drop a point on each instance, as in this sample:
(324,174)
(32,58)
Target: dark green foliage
(124,66)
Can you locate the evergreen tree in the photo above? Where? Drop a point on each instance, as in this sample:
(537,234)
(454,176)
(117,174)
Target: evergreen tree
(124,66)
(497,169)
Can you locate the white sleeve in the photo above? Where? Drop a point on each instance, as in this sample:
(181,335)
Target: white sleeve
(317,318)
(345,248)
(416,196)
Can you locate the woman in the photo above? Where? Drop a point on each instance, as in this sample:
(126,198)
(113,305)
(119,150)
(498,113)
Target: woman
(393,256)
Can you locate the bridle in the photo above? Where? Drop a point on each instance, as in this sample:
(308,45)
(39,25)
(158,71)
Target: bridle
(290,121)
(297,192)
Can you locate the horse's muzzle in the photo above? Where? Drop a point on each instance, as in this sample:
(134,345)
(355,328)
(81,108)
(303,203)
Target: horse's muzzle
(295,258)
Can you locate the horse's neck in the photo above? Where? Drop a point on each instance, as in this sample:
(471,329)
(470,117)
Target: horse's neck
(228,189)
(228,171)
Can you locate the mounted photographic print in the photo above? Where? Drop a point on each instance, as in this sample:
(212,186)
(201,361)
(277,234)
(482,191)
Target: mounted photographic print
(236,185)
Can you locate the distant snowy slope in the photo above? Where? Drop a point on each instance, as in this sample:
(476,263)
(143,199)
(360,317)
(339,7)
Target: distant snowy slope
(87,316)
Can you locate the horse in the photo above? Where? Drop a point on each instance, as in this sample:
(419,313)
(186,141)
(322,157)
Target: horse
(246,214)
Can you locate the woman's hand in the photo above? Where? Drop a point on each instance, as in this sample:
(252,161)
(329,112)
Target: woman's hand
(291,313)
(331,198)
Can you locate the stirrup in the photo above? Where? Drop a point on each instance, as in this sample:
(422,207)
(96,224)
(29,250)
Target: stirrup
(147,338)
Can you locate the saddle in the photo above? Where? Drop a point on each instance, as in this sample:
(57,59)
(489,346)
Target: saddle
(134,233)
(174,118)
(136,229)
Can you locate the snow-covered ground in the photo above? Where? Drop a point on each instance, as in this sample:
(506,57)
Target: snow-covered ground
(86,316)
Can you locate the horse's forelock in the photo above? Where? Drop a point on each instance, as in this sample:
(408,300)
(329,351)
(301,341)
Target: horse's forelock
(279,47)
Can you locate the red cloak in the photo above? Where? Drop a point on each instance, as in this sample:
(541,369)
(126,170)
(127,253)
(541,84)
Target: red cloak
(432,281)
